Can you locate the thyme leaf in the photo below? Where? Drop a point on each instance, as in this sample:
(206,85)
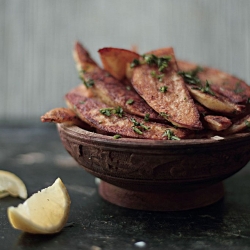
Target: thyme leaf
(247,124)
(138,127)
(170,135)
(116,136)
(109,111)
(161,62)
(130,101)
(191,77)
(159,77)
(134,63)
(163,89)
(238,88)
(206,88)
(164,115)
(146,117)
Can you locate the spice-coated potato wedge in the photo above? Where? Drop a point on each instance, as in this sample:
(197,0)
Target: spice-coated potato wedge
(165,91)
(114,121)
(109,89)
(63,115)
(83,59)
(235,89)
(115,60)
(217,123)
(214,102)
(238,126)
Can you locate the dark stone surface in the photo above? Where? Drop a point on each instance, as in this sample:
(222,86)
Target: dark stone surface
(37,156)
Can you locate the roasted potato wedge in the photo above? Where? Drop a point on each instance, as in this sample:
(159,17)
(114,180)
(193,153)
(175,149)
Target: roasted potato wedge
(63,115)
(238,126)
(114,121)
(115,60)
(217,123)
(214,102)
(235,89)
(110,90)
(166,92)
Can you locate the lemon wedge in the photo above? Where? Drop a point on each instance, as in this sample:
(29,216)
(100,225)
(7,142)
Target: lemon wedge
(45,212)
(12,185)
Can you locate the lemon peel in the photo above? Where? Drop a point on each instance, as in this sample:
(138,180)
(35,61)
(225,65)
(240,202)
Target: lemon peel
(45,212)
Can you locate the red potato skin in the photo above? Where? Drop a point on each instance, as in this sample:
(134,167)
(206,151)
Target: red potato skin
(235,89)
(115,60)
(176,102)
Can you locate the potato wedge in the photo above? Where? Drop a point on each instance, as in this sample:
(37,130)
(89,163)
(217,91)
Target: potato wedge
(116,122)
(115,60)
(217,123)
(109,89)
(167,93)
(83,59)
(215,102)
(63,115)
(238,126)
(235,89)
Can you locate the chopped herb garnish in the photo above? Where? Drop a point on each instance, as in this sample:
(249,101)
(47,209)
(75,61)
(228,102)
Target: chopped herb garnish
(135,122)
(109,111)
(89,83)
(137,130)
(238,88)
(159,77)
(117,136)
(128,87)
(134,63)
(248,100)
(247,123)
(206,88)
(146,117)
(160,62)
(130,101)
(81,102)
(190,77)
(119,111)
(106,111)
(138,126)
(107,74)
(164,115)
(163,89)
(170,135)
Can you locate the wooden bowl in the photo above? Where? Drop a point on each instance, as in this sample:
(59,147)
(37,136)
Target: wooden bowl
(157,175)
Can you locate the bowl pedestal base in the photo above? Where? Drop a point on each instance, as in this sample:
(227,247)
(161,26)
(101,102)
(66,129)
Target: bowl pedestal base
(171,200)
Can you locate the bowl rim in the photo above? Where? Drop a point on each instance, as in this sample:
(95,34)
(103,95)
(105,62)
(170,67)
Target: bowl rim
(82,134)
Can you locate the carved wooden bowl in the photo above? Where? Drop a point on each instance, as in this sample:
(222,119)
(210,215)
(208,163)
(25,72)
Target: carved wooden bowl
(157,175)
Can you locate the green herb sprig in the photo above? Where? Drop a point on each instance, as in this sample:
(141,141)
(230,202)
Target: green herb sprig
(88,83)
(146,117)
(116,136)
(150,59)
(163,89)
(130,101)
(164,115)
(161,62)
(206,88)
(159,77)
(191,77)
(170,135)
(238,88)
(138,127)
(109,111)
